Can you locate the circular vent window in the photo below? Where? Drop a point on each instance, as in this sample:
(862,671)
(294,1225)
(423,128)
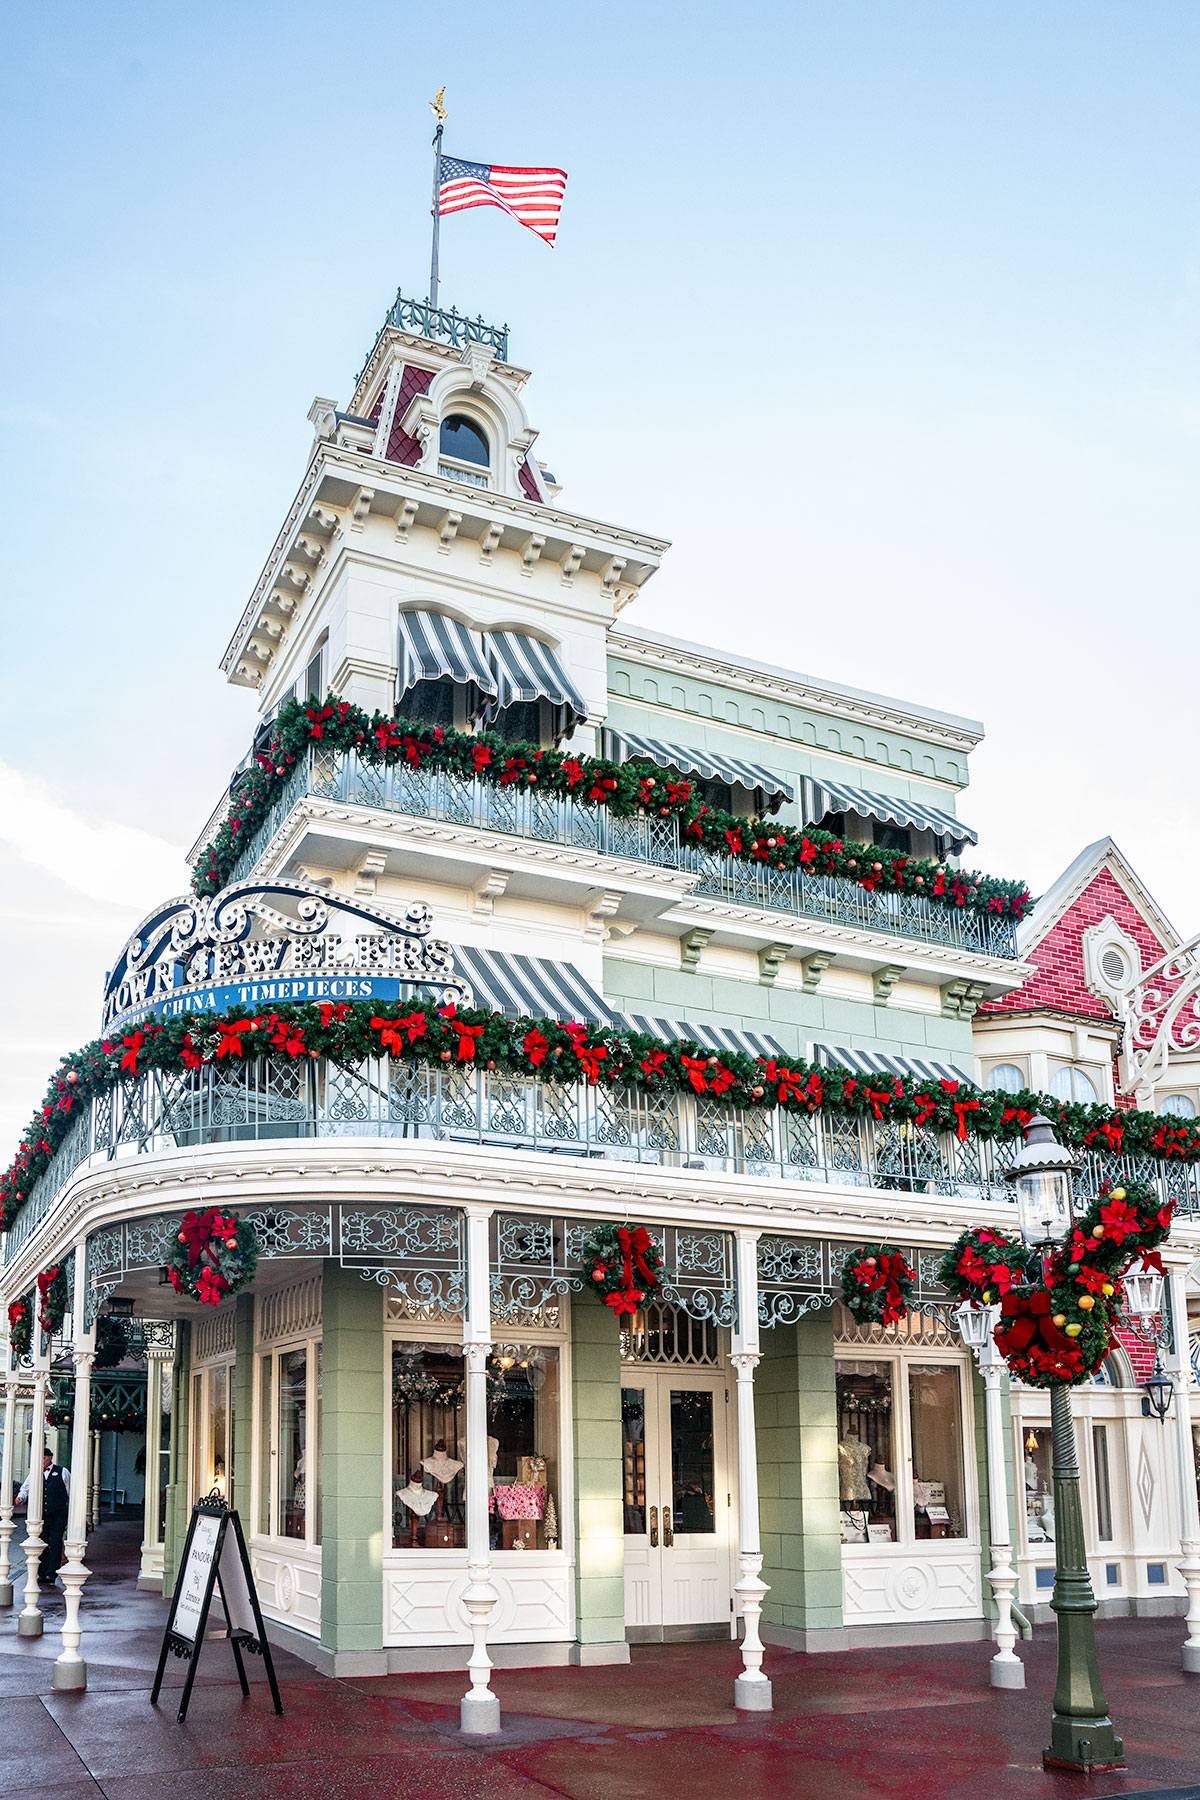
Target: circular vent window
(1114,966)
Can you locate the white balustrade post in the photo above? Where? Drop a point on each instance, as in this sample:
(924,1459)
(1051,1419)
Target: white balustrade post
(480,1710)
(29,1619)
(1183,1382)
(1007,1669)
(7,1526)
(70,1670)
(752,1689)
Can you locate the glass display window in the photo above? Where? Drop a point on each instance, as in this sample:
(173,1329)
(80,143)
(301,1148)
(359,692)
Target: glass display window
(212,1431)
(1039,1487)
(429,1446)
(289,1442)
(902,1472)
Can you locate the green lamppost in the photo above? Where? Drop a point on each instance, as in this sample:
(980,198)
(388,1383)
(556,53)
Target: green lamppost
(1081,1732)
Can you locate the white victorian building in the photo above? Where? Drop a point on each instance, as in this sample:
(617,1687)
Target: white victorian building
(416,1357)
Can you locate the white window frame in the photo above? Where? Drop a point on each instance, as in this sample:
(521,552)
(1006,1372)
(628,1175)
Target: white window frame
(901,1358)
(272,1352)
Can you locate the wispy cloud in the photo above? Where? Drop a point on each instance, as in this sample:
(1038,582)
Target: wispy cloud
(94,856)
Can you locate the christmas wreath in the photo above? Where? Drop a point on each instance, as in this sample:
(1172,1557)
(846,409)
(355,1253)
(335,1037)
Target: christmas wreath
(877,1285)
(20,1327)
(1056,1329)
(54,1296)
(213,1255)
(623,1265)
(981,1266)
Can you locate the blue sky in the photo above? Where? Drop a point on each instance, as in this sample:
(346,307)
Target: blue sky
(887,315)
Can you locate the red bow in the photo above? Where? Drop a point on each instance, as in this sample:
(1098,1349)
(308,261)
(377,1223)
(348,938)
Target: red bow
(634,1244)
(1111,1133)
(198,1229)
(230,1042)
(791,1084)
(317,720)
(697,1072)
(481,756)
(626,1302)
(879,1098)
(467,1035)
(591,1056)
(962,1108)
(389,1030)
(132,1046)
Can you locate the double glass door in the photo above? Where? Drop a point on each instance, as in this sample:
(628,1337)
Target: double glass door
(678,1504)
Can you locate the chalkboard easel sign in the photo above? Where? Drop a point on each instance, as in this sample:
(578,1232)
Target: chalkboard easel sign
(214,1556)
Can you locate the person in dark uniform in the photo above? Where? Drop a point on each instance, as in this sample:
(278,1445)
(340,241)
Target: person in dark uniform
(56,1501)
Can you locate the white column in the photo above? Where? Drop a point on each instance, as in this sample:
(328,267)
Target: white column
(96,1440)
(70,1670)
(1183,1381)
(29,1619)
(480,1710)
(1007,1669)
(6,1479)
(752,1689)
(150,1575)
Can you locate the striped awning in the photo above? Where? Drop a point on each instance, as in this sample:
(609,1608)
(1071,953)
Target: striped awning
(713,1037)
(770,790)
(820,798)
(531,987)
(877,1062)
(436,648)
(523,668)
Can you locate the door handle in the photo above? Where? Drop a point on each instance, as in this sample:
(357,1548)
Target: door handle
(654,1528)
(668,1533)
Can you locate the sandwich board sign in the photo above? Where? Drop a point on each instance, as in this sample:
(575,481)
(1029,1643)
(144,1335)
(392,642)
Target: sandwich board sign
(214,1556)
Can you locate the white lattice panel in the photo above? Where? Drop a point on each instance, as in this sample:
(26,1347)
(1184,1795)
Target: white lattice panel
(289,1311)
(213,1334)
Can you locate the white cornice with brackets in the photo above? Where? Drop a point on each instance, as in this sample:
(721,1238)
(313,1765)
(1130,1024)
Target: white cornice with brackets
(797,690)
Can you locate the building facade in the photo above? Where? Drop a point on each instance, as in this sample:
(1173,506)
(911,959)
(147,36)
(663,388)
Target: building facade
(445,1451)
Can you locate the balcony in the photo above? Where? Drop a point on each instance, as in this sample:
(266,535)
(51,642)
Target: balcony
(380,1099)
(555,819)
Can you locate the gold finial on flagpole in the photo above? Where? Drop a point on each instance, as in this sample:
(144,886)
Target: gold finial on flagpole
(436,108)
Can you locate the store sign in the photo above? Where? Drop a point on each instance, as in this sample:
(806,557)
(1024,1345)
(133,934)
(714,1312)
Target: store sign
(214,1560)
(258,943)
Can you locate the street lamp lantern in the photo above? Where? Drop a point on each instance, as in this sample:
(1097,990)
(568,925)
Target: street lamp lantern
(1143,1293)
(1158,1390)
(976,1323)
(1041,1174)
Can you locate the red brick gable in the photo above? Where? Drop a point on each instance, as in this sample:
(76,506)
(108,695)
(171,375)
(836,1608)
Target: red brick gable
(1059,984)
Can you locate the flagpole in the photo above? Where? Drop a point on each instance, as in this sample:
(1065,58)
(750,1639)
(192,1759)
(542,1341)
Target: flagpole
(440,115)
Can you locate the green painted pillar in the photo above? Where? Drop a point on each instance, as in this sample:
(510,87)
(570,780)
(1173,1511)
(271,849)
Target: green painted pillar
(795,1415)
(352,1446)
(175,1504)
(599,1503)
(241,1399)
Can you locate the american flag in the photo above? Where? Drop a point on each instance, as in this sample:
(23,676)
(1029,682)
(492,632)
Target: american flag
(531,196)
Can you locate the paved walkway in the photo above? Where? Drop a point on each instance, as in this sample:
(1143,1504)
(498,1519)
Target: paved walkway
(863,1726)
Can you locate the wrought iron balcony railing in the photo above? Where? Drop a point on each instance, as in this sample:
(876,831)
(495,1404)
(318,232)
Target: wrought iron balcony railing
(558,819)
(500,1111)
(449,327)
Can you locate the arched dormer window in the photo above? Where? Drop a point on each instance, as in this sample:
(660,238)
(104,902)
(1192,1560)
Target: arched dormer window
(463,451)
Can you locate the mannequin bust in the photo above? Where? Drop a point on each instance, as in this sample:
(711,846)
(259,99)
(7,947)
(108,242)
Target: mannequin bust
(442,1467)
(416,1496)
(853,1457)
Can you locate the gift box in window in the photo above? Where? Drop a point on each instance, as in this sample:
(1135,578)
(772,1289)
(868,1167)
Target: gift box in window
(520,1501)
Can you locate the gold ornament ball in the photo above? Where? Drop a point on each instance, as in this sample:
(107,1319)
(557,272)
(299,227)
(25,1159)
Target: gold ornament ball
(1086,1302)
(1117,1194)
(1108,1288)
(1073,1331)
(1097,1231)
(1060,1320)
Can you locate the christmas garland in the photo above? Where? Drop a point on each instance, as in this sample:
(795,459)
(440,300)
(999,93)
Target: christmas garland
(1057,1328)
(624,789)
(54,1296)
(20,1327)
(103,1414)
(877,1285)
(419,1032)
(112,1342)
(622,1266)
(213,1255)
